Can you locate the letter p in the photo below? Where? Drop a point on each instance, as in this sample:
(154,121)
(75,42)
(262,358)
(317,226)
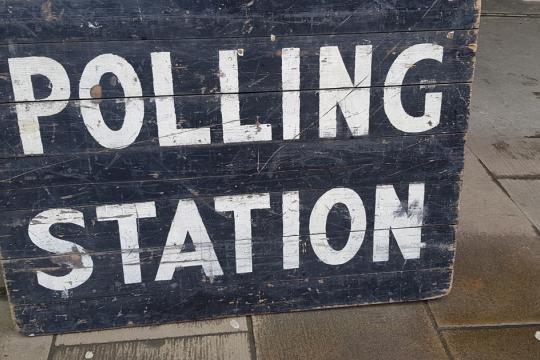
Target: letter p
(28,107)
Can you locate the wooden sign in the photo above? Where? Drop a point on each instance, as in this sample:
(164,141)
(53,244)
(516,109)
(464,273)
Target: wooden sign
(166,162)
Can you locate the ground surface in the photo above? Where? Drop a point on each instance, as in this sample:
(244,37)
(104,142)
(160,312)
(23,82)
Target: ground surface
(493,311)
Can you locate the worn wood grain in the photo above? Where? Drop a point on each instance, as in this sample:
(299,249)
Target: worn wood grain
(432,156)
(440,200)
(61,20)
(388,155)
(43,197)
(195,63)
(108,277)
(256,299)
(65,133)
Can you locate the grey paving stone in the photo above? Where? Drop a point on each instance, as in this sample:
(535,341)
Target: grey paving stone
(508,157)
(14,346)
(397,331)
(496,273)
(512,7)
(506,88)
(526,193)
(494,344)
(216,347)
(194,328)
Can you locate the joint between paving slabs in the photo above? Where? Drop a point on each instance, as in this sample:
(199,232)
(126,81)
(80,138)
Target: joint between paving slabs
(251,337)
(495,179)
(438,330)
(50,354)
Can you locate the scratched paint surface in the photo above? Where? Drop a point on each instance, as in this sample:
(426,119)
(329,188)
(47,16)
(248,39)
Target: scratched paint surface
(273,156)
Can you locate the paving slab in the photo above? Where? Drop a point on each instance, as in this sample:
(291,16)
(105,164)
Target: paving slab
(194,328)
(397,331)
(494,344)
(497,255)
(506,88)
(14,346)
(216,347)
(2,282)
(526,194)
(511,7)
(515,157)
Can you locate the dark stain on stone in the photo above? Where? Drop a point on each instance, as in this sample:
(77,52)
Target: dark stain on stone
(536,230)
(529,81)
(503,147)
(155,343)
(536,135)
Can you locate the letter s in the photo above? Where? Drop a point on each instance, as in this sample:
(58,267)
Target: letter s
(39,233)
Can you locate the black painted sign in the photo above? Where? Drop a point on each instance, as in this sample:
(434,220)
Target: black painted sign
(165,162)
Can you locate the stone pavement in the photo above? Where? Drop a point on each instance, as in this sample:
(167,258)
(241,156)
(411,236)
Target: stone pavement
(493,310)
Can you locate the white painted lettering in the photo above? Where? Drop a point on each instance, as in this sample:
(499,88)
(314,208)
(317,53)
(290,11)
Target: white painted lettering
(187,220)
(21,71)
(317,225)
(404,222)
(393,105)
(134,104)
(127,215)
(352,98)
(39,233)
(291,230)
(233,130)
(169,134)
(241,206)
(290,78)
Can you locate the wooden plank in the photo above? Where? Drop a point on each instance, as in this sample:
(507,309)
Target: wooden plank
(60,20)
(440,198)
(109,279)
(431,156)
(195,64)
(260,298)
(43,197)
(66,132)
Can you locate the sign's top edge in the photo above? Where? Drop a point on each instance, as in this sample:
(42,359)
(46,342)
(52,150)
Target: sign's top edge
(65,21)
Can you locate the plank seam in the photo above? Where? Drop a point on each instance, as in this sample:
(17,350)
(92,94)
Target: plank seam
(262,92)
(410,30)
